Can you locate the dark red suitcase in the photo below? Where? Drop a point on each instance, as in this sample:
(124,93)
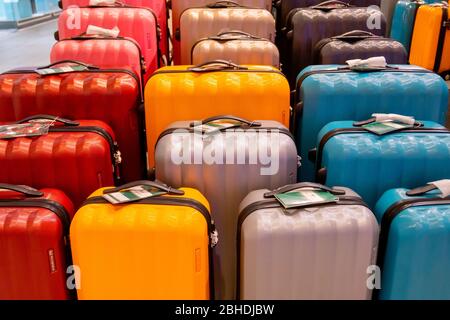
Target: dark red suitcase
(75,157)
(34,244)
(108,95)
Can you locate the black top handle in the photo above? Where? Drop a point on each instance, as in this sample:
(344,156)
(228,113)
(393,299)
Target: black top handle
(425,189)
(331,4)
(303,185)
(25,190)
(229,117)
(224,4)
(79,63)
(63,121)
(394,117)
(236,33)
(356,35)
(216,65)
(154,184)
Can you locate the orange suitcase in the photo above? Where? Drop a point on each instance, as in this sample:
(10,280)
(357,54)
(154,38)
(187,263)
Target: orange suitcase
(210,89)
(430,46)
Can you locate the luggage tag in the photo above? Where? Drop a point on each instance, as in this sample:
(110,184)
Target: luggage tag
(216,126)
(387,123)
(65,69)
(99,31)
(303,198)
(33,128)
(133,194)
(371,64)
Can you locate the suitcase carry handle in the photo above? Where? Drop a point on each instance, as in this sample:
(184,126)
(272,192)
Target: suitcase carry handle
(216,65)
(356,34)
(379,117)
(442,185)
(302,185)
(328,5)
(227,117)
(89,66)
(65,122)
(25,190)
(224,4)
(237,33)
(154,184)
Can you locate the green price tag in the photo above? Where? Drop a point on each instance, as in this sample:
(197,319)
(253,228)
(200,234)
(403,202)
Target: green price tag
(67,69)
(381,128)
(305,198)
(133,194)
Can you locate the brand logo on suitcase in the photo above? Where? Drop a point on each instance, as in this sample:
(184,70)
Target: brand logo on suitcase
(51,260)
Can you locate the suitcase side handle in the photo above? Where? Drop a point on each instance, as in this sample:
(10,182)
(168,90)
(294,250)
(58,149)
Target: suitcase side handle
(153,184)
(25,190)
(331,4)
(303,185)
(224,4)
(65,122)
(216,65)
(442,185)
(228,117)
(89,66)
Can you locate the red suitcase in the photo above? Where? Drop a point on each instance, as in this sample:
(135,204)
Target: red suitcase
(75,157)
(158,6)
(111,96)
(34,244)
(103,52)
(139,24)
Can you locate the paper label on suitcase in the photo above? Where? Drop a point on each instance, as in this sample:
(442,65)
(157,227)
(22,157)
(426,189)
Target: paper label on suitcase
(31,129)
(215,126)
(133,194)
(305,198)
(66,69)
(381,128)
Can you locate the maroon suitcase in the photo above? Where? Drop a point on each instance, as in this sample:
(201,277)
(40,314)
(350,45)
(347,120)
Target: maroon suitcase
(108,95)
(34,244)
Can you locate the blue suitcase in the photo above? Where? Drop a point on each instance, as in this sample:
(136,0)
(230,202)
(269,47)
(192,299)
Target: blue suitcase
(332,93)
(414,248)
(403,20)
(349,155)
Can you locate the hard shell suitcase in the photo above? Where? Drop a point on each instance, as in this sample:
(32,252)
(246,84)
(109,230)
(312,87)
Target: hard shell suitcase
(415,232)
(102,52)
(180,6)
(108,95)
(358,45)
(237,47)
(349,155)
(34,243)
(430,44)
(202,91)
(307,26)
(335,92)
(153,248)
(139,24)
(403,21)
(157,6)
(198,23)
(319,251)
(388,7)
(226,181)
(74,157)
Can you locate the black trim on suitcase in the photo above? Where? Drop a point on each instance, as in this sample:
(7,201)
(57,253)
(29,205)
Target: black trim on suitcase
(175,201)
(273,204)
(316,155)
(386,221)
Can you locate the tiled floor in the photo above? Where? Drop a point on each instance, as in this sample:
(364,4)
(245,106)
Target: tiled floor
(26,47)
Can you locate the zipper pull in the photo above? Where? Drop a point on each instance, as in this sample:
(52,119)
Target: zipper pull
(117,161)
(214,236)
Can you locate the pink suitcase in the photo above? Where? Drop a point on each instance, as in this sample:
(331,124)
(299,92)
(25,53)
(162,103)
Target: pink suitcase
(136,23)
(102,52)
(158,6)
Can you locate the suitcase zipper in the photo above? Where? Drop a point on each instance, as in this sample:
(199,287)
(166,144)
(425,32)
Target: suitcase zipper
(273,203)
(116,156)
(316,156)
(391,213)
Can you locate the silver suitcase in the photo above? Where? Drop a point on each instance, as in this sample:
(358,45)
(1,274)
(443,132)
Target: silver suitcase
(237,169)
(238,47)
(199,23)
(316,252)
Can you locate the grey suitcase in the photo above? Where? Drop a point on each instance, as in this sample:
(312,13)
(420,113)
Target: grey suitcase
(317,251)
(225,184)
(388,7)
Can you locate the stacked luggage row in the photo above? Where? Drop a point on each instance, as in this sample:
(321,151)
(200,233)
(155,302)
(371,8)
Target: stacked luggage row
(232,156)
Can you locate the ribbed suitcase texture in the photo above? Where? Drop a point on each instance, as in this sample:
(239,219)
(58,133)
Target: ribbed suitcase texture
(225,183)
(324,94)
(105,53)
(137,23)
(111,96)
(155,248)
(371,164)
(307,26)
(77,159)
(358,45)
(180,6)
(158,6)
(430,44)
(238,47)
(198,23)
(319,252)
(34,245)
(186,92)
(414,246)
